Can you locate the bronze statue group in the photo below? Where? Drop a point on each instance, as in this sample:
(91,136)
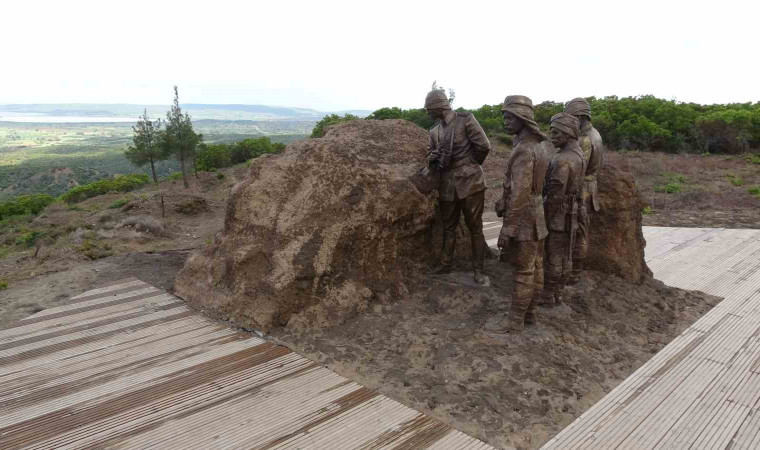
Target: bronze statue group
(550,191)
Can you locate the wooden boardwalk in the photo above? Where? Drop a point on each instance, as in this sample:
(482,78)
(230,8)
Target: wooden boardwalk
(130,366)
(702,391)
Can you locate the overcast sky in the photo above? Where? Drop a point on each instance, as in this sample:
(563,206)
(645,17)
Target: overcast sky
(332,55)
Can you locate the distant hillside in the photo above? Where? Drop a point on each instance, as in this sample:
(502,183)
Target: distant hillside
(198,111)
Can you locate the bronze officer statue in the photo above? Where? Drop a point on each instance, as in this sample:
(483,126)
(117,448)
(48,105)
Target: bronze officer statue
(593,154)
(562,204)
(522,208)
(458,146)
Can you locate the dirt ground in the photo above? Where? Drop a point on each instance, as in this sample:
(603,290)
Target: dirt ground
(49,290)
(92,242)
(435,353)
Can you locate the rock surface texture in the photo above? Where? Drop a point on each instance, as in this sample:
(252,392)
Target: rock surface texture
(617,242)
(317,233)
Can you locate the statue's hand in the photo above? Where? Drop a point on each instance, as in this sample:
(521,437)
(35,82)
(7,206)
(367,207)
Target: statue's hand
(500,207)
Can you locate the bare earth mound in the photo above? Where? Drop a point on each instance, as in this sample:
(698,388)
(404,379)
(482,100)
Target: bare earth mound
(317,233)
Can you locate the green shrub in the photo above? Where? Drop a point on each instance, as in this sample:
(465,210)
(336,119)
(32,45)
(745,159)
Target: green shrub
(670,188)
(93,250)
(755,191)
(124,183)
(333,119)
(3,285)
(118,203)
(752,158)
(647,210)
(675,177)
(176,176)
(25,204)
(735,179)
(213,156)
(220,176)
(29,238)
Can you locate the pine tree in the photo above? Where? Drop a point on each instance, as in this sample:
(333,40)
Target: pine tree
(179,138)
(147,146)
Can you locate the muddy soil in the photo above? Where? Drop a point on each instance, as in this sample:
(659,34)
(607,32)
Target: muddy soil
(52,289)
(704,218)
(434,350)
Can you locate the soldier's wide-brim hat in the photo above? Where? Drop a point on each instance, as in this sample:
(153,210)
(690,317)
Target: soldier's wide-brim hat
(567,123)
(522,107)
(578,107)
(436,99)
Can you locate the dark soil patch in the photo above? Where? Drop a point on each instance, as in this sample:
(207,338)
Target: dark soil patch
(433,351)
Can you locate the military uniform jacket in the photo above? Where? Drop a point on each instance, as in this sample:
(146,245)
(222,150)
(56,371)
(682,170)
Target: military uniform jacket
(563,183)
(593,152)
(470,146)
(523,187)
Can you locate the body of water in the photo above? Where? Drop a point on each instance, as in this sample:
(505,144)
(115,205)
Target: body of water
(43,118)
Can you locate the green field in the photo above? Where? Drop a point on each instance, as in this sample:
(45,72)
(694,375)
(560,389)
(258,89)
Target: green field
(53,157)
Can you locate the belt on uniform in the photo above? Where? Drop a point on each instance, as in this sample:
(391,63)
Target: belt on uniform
(463,161)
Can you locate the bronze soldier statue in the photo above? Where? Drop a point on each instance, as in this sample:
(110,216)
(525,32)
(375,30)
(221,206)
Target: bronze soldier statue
(593,153)
(522,208)
(458,146)
(562,204)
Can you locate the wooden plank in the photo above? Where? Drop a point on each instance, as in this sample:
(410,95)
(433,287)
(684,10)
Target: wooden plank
(128,365)
(706,398)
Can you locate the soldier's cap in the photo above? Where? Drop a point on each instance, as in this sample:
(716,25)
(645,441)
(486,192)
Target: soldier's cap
(522,107)
(436,99)
(578,107)
(567,123)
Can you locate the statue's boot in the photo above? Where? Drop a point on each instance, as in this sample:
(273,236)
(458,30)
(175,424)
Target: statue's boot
(521,300)
(538,290)
(548,296)
(447,253)
(560,288)
(530,314)
(478,256)
(575,274)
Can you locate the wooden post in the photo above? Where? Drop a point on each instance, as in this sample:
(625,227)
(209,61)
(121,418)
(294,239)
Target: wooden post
(163,214)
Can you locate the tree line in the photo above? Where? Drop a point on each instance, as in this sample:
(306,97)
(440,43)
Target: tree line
(630,123)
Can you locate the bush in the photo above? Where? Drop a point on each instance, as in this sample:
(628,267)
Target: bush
(735,179)
(253,148)
(755,191)
(29,238)
(220,176)
(333,119)
(94,250)
(3,285)
(124,183)
(647,210)
(25,204)
(670,188)
(213,156)
(118,203)
(752,159)
(176,176)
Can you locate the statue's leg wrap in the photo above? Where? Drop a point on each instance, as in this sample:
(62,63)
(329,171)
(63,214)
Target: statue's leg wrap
(556,258)
(450,212)
(522,289)
(472,207)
